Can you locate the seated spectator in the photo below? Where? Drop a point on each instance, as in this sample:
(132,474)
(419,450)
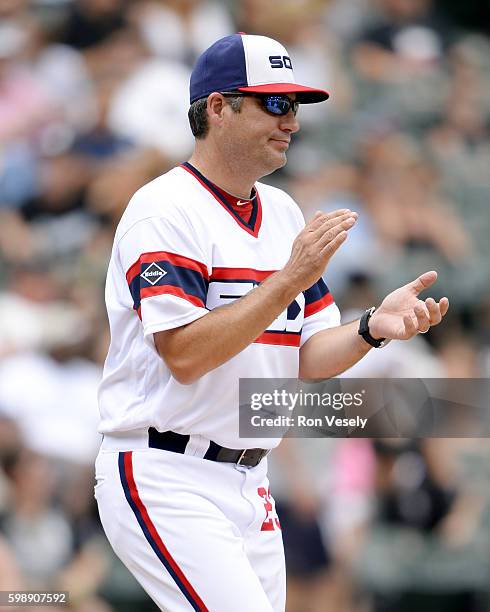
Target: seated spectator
(57,216)
(32,523)
(91,22)
(63,72)
(100,142)
(408,40)
(331,186)
(41,538)
(459,142)
(25,104)
(147,108)
(117,180)
(180,30)
(33,314)
(423,499)
(402,195)
(401,63)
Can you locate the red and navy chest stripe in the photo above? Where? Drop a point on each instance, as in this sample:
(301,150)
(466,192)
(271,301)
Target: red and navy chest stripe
(317,297)
(253,226)
(164,273)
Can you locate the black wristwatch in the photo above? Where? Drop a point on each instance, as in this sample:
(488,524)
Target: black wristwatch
(364,329)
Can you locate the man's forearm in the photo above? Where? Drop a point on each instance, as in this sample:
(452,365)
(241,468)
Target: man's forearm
(332,351)
(195,349)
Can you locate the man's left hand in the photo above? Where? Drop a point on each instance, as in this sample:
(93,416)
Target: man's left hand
(402,314)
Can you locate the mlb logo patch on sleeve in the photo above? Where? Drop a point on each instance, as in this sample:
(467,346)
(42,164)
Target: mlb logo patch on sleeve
(153,274)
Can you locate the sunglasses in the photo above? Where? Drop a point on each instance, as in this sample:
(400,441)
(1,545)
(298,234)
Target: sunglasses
(274,104)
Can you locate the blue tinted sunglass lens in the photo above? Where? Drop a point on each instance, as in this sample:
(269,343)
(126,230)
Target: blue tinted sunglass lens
(276,105)
(279,105)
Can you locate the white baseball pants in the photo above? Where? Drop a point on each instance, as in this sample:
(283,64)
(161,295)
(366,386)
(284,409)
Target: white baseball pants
(196,534)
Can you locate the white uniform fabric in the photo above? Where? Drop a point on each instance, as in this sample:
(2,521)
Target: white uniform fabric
(197,534)
(178,253)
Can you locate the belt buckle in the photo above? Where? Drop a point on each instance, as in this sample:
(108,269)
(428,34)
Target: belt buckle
(244,452)
(239,460)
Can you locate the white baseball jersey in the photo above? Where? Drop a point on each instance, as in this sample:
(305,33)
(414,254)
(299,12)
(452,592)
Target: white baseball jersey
(180,250)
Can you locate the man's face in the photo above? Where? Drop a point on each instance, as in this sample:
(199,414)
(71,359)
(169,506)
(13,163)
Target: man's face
(257,138)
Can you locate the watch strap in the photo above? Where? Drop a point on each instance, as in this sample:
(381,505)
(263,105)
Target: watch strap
(364,329)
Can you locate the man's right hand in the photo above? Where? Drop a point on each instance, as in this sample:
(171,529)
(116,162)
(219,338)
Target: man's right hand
(315,245)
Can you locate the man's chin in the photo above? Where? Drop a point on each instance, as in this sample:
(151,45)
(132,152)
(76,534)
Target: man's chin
(279,161)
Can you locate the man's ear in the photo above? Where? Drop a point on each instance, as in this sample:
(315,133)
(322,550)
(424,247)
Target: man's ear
(216,107)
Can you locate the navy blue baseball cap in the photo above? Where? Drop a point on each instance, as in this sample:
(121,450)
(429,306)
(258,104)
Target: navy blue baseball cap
(246,62)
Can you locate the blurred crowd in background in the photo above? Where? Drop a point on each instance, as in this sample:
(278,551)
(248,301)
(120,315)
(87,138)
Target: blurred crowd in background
(93,104)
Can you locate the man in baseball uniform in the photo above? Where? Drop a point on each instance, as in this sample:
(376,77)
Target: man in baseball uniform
(215,276)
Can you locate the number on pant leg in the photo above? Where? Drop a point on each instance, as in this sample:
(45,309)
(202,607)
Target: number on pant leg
(270,522)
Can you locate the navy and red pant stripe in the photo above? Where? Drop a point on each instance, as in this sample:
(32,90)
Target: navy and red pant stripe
(151,534)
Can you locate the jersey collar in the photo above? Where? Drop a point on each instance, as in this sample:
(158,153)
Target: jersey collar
(253,226)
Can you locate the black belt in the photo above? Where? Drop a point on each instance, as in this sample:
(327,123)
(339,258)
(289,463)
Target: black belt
(176,443)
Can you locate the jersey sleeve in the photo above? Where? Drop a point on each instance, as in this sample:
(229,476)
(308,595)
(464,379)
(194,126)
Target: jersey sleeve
(321,312)
(165,272)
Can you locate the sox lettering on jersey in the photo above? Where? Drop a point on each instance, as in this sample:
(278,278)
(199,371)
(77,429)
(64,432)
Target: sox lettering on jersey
(229,284)
(290,319)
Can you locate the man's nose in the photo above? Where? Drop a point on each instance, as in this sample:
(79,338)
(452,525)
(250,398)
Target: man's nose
(289,123)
